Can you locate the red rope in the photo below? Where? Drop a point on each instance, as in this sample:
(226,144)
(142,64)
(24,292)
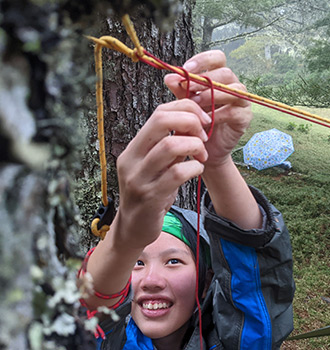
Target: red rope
(208,84)
(90,314)
(188,82)
(199,185)
(212,104)
(185,74)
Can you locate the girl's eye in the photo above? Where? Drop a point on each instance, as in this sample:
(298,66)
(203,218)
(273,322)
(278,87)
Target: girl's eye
(139,263)
(173,261)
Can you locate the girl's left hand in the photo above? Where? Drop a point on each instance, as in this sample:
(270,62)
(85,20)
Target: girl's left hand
(232,114)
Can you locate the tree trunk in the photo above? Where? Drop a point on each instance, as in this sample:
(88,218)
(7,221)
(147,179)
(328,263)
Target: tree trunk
(208,28)
(45,84)
(132,91)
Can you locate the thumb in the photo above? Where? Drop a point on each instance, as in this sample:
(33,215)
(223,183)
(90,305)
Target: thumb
(173,82)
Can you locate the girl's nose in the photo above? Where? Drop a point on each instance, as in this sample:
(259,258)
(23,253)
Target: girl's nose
(153,279)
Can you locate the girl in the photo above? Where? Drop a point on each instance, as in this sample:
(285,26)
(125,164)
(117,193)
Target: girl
(247,305)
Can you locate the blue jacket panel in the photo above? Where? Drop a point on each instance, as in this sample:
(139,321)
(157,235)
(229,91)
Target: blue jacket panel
(255,264)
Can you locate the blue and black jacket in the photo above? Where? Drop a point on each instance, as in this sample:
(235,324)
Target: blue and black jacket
(249,303)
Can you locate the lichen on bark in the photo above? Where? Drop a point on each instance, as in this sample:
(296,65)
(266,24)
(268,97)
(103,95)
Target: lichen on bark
(45,73)
(47,120)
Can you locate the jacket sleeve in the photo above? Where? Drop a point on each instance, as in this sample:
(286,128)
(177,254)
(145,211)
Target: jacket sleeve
(253,287)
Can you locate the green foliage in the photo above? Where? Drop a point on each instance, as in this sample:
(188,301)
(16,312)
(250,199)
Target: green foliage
(317,56)
(291,126)
(250,57)
(304,128)
(290,62)
(307,89)
(248,12)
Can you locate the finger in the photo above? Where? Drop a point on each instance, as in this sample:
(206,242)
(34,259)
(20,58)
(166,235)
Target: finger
(205,61)
(184,117)
(200,63)
(222,75)
(204,98)
(182,123)
(177,175)
(238,118)
(159,127)
(173,82)
(185,105)
(169,151)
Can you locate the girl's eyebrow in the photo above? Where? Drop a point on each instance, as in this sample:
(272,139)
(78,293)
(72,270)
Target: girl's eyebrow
(174,251)
(169,251)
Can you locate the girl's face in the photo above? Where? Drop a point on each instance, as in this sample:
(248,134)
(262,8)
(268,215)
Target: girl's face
(164,280)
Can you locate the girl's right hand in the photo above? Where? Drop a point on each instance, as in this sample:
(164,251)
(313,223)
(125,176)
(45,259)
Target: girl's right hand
(155,164)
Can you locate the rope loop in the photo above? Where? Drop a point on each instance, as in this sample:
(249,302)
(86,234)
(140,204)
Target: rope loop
(99,232)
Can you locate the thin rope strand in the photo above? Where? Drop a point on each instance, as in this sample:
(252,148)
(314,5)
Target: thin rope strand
(206,81)
(100,122)
(199,195)
(199,185)
(132,34)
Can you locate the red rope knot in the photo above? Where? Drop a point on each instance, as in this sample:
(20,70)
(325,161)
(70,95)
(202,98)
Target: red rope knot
(137,54)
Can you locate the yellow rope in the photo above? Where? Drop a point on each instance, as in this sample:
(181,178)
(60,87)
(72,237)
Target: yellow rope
(100,121)
(132,34)
(112,43)
(99,232)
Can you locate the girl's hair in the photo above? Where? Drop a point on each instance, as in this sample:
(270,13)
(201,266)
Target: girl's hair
(191,235)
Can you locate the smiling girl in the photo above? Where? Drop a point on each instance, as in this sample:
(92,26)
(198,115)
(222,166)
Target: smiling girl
(245,272)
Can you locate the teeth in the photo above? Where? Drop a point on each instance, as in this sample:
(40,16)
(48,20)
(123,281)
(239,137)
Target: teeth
(155,306)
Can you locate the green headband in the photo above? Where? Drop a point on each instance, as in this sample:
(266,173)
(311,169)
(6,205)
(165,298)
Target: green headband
(173,226)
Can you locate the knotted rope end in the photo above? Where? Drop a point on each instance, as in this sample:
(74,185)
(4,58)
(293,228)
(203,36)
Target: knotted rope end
(99,232)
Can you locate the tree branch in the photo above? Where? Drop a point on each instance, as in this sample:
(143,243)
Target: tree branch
(242,35)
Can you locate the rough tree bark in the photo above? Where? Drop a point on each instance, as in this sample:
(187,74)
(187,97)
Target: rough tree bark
(45,81)
(132,91)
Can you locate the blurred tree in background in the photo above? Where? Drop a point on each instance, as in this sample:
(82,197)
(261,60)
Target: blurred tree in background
(280,49)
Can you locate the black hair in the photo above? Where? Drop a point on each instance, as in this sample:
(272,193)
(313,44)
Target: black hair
(191,235)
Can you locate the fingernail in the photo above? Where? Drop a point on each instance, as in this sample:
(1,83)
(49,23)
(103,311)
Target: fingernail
(183,84)
(206,118)
(196,98)
(190,65)
(204,136)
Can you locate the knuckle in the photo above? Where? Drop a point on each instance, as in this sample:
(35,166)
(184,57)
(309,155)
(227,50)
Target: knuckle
(227,74)
(192,107)
(177,173)
(168,144)
(242,87)
(120,163)
(136,190)
(221,56)
(188,102)
(159,108)
(161,119)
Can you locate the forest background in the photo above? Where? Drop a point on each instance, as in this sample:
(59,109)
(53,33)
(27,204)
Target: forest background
(50,174)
